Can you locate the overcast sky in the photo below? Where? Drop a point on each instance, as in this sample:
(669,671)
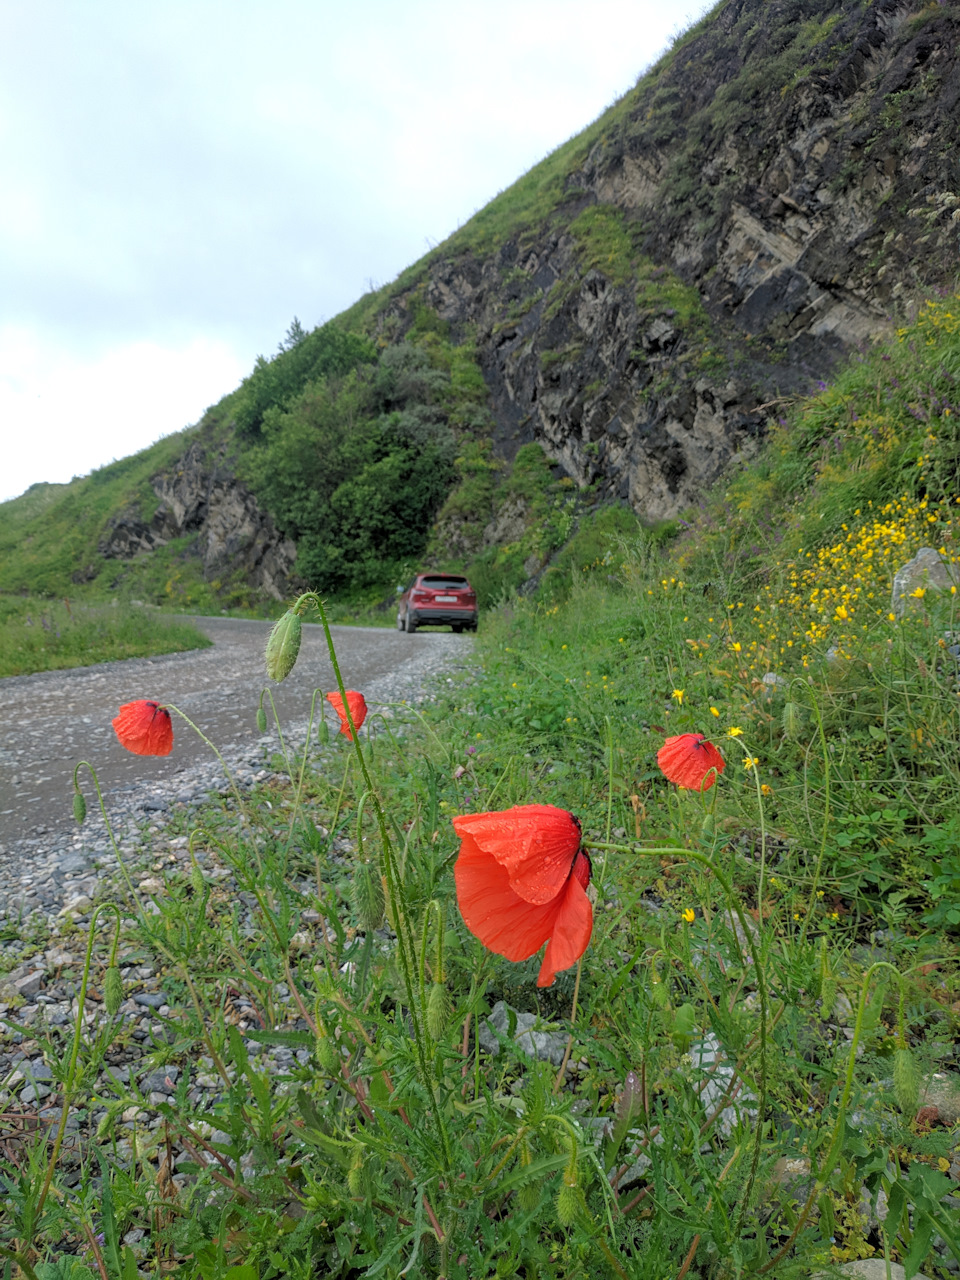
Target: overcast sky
(181,179)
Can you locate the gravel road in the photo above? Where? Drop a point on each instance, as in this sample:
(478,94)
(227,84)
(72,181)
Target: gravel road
(53,719)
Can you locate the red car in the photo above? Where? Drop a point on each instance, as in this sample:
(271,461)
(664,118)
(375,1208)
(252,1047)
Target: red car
(438,599)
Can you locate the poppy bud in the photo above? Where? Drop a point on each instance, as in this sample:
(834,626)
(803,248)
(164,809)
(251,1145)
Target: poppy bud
(708,828)
(327,1055)
(628,1104)
(261,720)
(792,721)
(355,1175)
(283,645)
(196,879)
(368,897)
(684,1025)
(569,1203)
(113,991)
(438,1010)
(323,733)
(828,997)
(906,1082)
(529,1194)
(659,995)
(79,807)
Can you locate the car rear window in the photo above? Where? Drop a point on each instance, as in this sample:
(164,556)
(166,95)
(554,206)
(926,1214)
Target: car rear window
(442,584)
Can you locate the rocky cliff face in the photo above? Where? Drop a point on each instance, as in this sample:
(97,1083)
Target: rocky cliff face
(201,495)
(777,192)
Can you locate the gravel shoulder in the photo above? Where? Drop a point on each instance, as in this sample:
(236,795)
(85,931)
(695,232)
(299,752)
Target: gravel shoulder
(54,719)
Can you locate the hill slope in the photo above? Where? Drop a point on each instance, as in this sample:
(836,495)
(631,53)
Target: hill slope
(774,193)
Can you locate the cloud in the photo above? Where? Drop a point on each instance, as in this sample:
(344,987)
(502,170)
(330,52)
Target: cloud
(65,409)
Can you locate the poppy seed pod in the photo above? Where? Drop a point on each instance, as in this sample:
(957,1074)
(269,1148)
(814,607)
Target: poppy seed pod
(79,807)
(283,645)
(113,991)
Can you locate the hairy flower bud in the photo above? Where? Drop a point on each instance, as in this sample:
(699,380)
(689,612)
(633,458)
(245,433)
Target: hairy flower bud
(368,896)
(792,721)
(283,645)
(355,1175)
(261,720)
(196,879)
(113,991)
(828,997)
(906,1082)
(569,1204)
(327,1055)
(323,733)
(79,807)
(439,1008)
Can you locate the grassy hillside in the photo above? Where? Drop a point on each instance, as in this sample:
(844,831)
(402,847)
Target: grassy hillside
(49,535)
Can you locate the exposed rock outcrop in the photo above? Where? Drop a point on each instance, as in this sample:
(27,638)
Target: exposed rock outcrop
(789,174)
(202,496)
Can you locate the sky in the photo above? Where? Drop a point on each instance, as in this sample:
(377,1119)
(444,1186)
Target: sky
(181,179)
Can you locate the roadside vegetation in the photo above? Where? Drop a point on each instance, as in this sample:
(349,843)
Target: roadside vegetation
(754,1069)
(38,634)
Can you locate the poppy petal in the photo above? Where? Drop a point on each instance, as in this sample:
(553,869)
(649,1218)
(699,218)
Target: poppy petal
(503,921)
(536,843)
(144,728)
(690,761)
(571,933)
(357,706)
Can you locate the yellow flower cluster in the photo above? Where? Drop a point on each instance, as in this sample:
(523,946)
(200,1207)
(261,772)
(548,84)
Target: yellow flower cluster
(944,315)
(834,595)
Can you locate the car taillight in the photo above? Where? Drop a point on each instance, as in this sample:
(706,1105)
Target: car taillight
(421,597)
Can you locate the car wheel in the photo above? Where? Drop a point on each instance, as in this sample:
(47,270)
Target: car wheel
(399,621)
(411,624)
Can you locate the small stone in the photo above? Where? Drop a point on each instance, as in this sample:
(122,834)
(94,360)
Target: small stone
(927,571)
(34,1092)
(163,1081)
(151,999)
(28,986)
(75,907)
(150,885)
(943,1092)
(875,1269)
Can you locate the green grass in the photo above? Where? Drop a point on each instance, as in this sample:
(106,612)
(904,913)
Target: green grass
(51,531)
(48,635)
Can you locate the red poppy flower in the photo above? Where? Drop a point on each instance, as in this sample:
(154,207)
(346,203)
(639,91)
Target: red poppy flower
(690,761)
(521,881)
(358,710)
(144,728)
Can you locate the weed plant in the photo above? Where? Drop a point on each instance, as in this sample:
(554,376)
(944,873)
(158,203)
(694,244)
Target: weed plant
(48,635)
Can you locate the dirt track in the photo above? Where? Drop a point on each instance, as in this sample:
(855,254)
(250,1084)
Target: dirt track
(55,718)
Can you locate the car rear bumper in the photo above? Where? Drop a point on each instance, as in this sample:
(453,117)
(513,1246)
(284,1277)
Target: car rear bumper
(443,617)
